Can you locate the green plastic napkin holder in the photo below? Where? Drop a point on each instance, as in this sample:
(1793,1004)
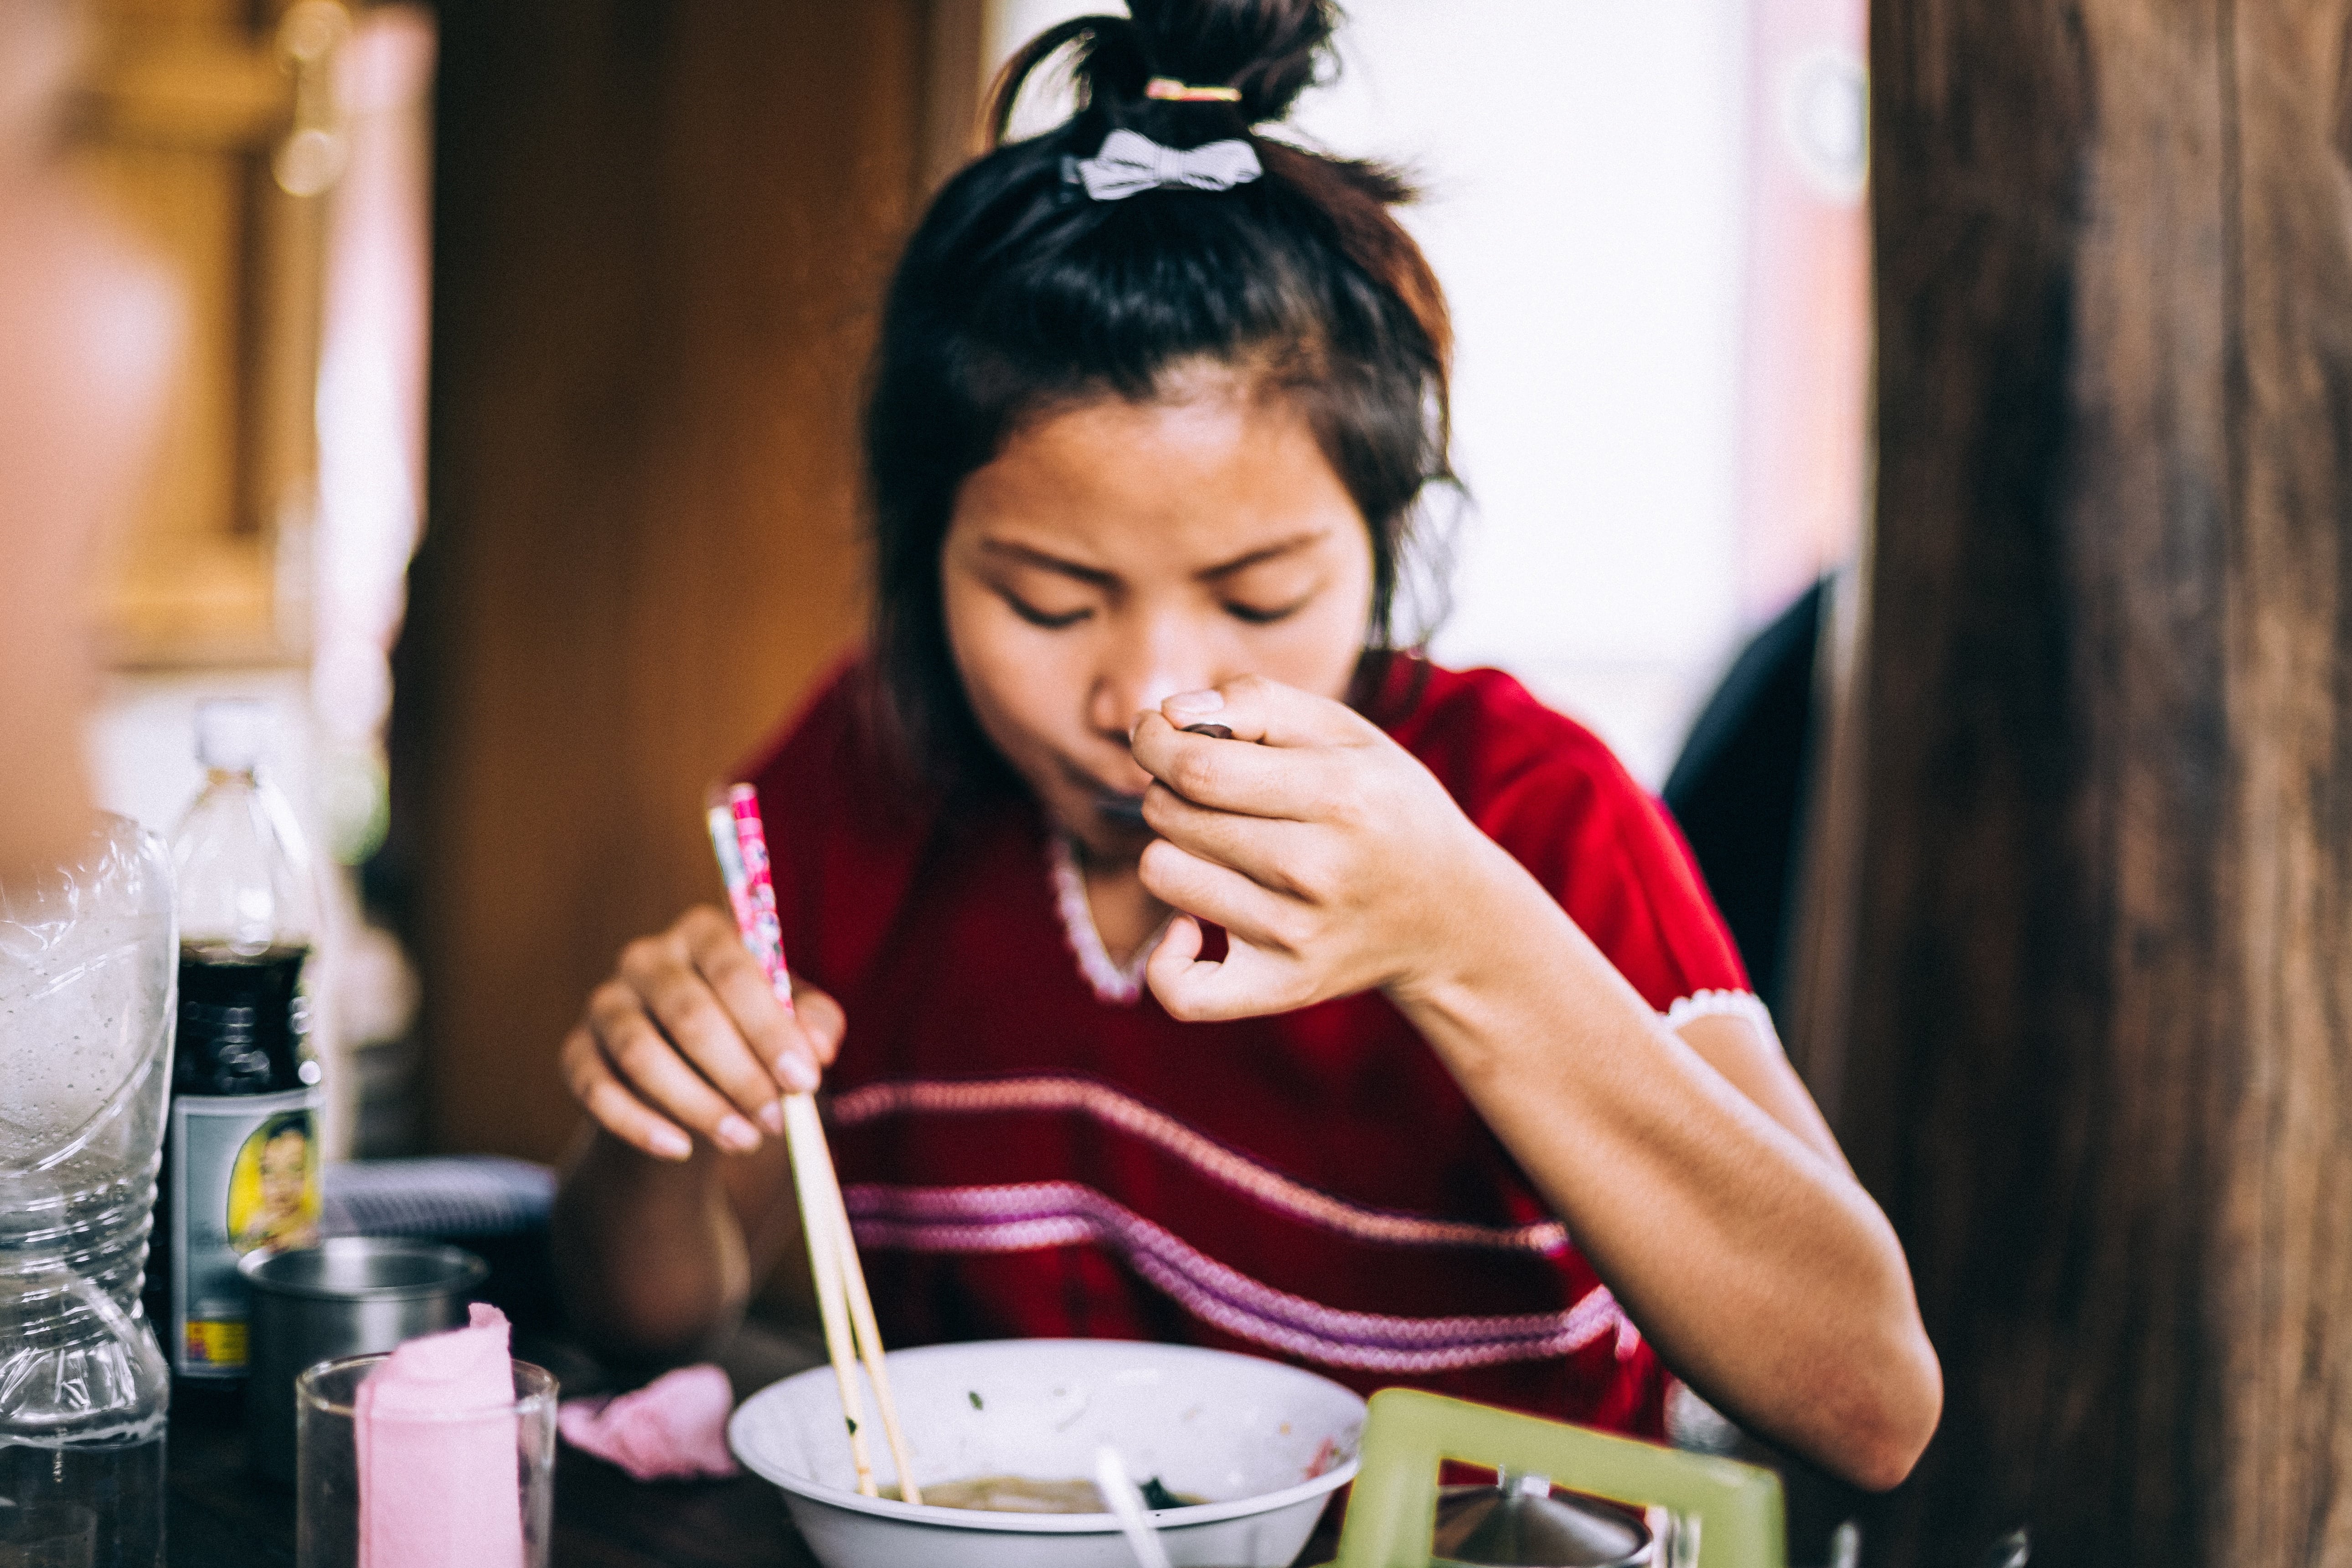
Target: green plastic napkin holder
(1393,1511)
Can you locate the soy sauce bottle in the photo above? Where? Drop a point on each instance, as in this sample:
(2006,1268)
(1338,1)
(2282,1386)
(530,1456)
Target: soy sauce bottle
(241,1146)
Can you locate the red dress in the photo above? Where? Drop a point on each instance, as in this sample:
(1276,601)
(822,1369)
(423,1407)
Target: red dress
(1025,1151)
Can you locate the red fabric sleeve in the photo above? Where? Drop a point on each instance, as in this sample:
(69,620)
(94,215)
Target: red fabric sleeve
(844,831)
(1548,790)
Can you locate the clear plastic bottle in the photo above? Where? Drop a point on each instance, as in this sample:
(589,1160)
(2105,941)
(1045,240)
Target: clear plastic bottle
(241,1151)
(87,980)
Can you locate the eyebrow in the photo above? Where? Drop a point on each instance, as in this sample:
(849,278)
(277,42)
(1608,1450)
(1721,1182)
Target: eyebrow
(1097,577)
(1033,556)
(1279,547)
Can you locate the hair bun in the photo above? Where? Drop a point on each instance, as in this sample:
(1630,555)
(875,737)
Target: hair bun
(1267,50)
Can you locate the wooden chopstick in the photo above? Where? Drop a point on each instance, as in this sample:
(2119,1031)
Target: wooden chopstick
(851,1334)
(824,1262)
(861,1311)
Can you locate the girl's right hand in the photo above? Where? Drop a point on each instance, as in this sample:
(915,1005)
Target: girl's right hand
(685,1035)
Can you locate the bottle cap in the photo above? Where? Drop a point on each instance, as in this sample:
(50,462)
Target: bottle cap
(229,732)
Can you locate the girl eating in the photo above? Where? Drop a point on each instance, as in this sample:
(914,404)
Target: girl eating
(1181,961)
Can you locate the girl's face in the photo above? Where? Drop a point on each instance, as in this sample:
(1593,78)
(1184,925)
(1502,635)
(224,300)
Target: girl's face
(1115,553)
(285,1169)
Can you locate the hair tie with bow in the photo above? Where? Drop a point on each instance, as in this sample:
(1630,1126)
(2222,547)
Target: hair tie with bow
(1129,162)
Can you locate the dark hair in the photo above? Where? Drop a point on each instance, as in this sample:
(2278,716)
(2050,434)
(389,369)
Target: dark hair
(1018,292)
(295,1121)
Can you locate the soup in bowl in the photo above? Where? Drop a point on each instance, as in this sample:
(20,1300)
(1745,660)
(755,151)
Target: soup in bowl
(1260,1445)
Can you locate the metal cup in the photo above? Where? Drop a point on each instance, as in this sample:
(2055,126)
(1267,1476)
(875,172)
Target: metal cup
(350,1295)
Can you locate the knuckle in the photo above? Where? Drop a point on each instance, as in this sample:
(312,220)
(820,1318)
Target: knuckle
(1301,872)
(1159,864)
(642,1054)
(679,1000)
(724,953)
(581,1071)
(696,1020)
(612,1002)
(1195,771)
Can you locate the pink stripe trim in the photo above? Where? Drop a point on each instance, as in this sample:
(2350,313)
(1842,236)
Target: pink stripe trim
(1227,1166)
(1061,1214)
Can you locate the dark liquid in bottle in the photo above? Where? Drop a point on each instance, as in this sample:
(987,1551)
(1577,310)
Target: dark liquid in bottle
(244,1022)
(245,1028)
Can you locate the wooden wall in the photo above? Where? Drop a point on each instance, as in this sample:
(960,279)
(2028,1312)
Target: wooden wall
(2100,1059)
(661,238)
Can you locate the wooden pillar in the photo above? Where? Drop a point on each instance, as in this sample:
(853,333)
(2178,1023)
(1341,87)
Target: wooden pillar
(2099,1054)
(663,232)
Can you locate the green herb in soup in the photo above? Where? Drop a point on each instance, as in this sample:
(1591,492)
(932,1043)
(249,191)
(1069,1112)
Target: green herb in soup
(1156,1496)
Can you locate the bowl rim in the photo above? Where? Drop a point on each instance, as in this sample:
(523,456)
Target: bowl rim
(932,1516)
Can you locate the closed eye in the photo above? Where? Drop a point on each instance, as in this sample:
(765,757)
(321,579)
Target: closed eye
(1048,620)
(1262,616)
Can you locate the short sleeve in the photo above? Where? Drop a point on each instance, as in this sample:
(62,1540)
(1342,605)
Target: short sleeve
(1548,791)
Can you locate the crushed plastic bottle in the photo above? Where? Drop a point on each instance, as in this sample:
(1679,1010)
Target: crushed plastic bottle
(88,975)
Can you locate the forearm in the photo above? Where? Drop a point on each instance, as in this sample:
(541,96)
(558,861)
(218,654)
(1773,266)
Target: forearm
(1754,1262)
(649,1255)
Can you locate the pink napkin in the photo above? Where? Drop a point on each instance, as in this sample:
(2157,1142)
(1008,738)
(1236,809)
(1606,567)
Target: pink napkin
(674,1428)
(438,1487)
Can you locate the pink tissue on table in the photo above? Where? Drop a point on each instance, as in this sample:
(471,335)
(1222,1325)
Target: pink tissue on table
(674,1428)
(438,1487)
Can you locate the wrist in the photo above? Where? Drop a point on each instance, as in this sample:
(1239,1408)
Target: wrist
(1496,925)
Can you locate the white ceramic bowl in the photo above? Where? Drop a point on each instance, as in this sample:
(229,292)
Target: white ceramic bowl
(1240,1432)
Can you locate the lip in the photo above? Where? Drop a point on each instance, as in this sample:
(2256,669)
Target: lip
(1119,808)
(1091,784)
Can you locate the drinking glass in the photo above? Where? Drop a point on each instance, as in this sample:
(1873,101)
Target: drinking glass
(328,1486)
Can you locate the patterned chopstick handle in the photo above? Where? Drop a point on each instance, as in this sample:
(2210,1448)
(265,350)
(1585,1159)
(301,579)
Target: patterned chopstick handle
(720,821)
(763,932)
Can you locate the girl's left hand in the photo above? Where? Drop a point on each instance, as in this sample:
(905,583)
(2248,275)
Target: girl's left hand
(1333,859)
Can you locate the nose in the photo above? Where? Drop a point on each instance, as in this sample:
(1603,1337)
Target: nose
(1149,660)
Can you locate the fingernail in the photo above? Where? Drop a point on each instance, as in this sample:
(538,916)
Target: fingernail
(798,1072)
(670,1143)
(772,1117)
(1196,703)
(738,1136)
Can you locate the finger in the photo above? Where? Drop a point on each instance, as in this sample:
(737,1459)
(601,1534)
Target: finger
(1245,985)
(822,1021)
(681,1000)
(1282,854)
(1231,776)
(1253,708)
(1204,889)
(651,1068)
(772,1034)
(618,1111)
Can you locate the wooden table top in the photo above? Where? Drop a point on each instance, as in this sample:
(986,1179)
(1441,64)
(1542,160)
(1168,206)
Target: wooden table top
(221,1515)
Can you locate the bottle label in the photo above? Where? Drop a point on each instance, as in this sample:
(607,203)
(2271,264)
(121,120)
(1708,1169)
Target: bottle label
(245,1176)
